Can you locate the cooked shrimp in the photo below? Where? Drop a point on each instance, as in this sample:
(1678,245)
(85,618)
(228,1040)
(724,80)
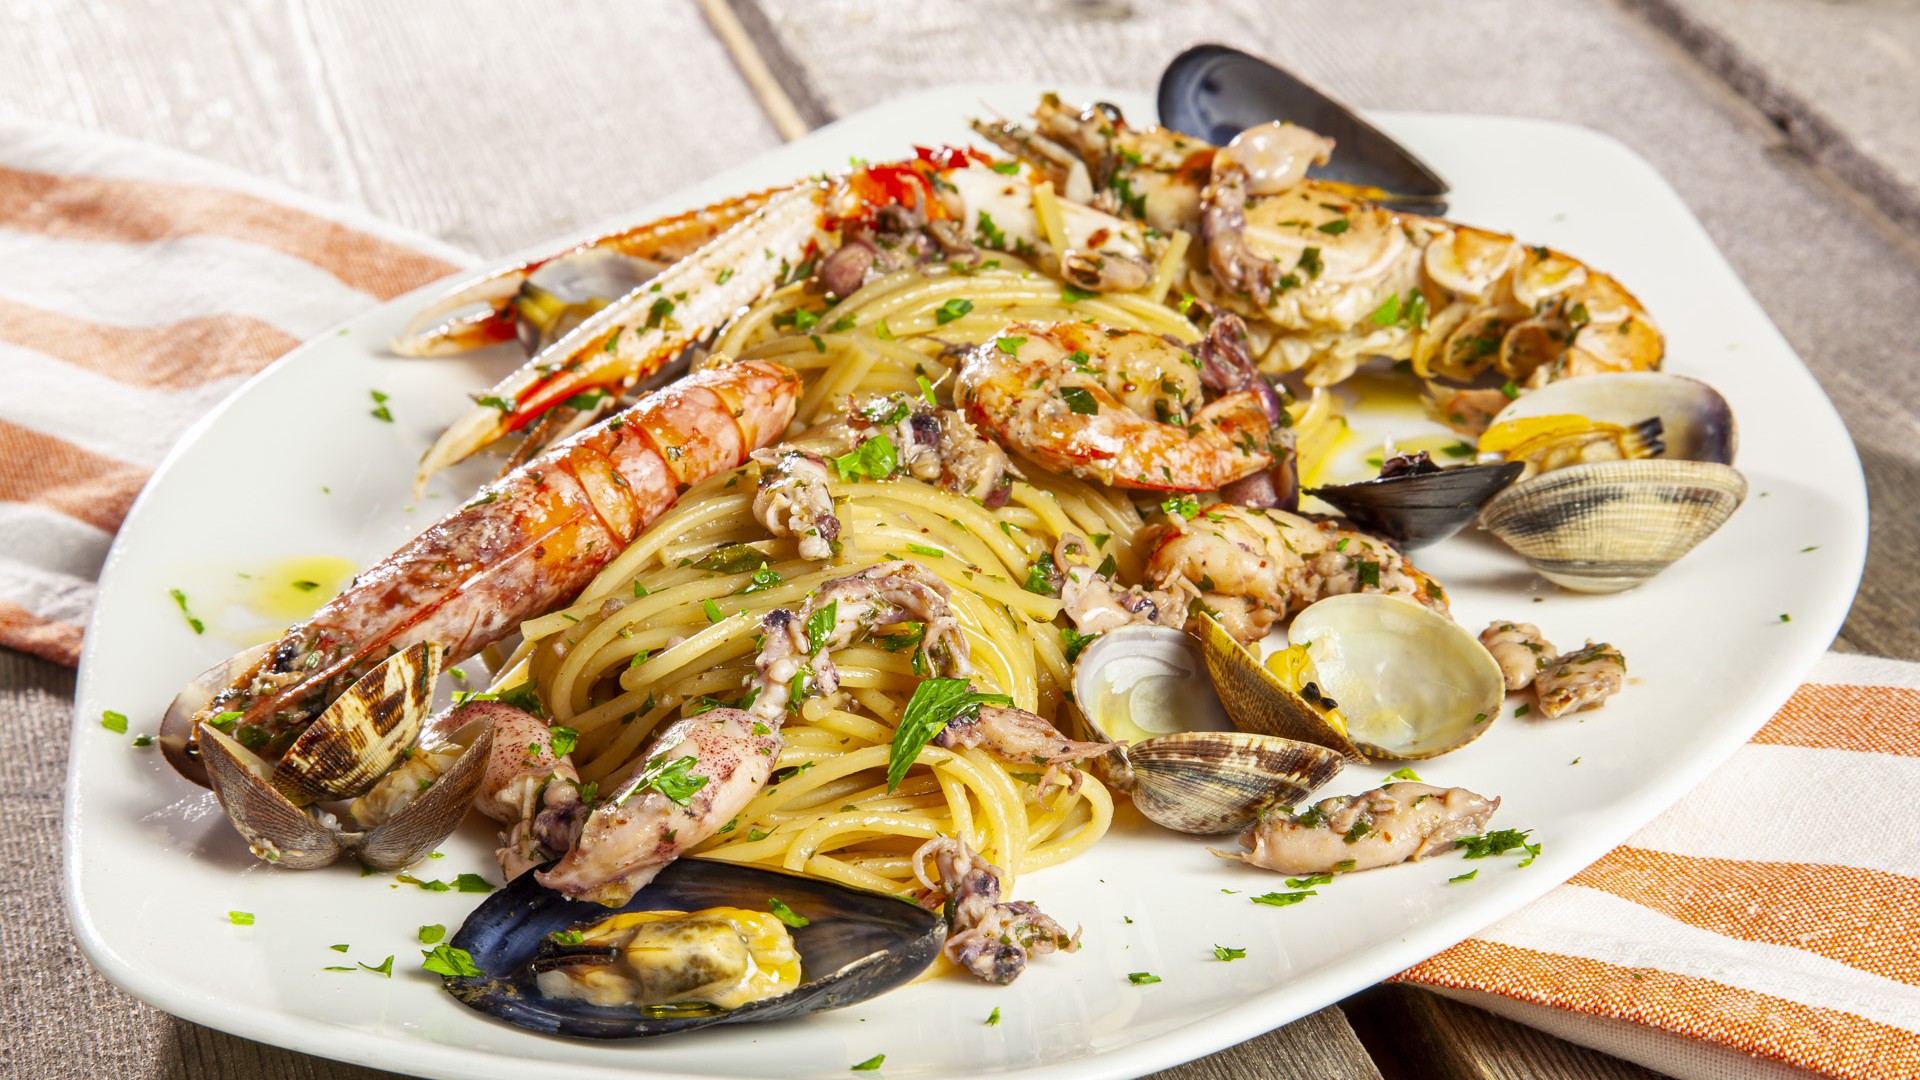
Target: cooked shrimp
(529,542)
(1583,679)
(1521,651)
(1253,568)
(1117,406)
(1398,823)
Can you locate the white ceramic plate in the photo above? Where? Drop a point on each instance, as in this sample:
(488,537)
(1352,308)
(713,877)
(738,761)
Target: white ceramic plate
(292,465)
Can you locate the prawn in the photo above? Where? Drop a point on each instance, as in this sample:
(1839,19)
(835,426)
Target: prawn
(528,542)
(1117,406)
(1326,279)
(1252,568)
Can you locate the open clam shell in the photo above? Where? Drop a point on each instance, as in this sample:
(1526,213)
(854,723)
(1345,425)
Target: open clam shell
(272,805)
(856,945)
(1415,509)
(1185,765)
(1411,683)
(1611,525)
(1259,701)
(176,725)
(1696,423)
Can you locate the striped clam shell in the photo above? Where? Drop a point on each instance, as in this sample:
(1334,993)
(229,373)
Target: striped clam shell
(365,732)
(1611,525)
(1210,782)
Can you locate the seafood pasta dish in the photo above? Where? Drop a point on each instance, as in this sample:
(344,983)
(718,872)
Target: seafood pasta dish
(863,545)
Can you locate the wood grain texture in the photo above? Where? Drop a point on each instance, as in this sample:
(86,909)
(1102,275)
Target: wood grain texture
(1415,1035)
(1320,1046)
(494,124)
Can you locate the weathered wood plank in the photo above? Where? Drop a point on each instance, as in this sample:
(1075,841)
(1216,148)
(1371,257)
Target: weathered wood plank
(1321,1046)
(1415,1035)
(493,124)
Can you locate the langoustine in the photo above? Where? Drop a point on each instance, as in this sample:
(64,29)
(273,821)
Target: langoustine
(526,543)
(1327,280)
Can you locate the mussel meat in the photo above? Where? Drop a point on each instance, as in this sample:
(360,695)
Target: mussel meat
(1185,766)
(361,737)
(1415,502)
(696,947)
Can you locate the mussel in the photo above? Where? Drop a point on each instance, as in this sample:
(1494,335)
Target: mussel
(706,956)
(1415,502)
(1624,509)
(361,737)
(1185,765)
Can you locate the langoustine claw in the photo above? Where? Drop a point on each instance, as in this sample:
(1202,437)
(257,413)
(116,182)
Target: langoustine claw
(1401,822)
(1121,407)
(1255,567)
(528,542)
(990,938)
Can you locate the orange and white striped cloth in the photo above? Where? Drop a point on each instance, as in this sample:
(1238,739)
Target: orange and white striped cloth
(1766,925)
(139,286)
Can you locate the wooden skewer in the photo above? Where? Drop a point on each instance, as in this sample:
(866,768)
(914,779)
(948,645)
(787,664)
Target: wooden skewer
(753,67)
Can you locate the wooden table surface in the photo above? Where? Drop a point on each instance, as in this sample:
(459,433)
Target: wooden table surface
(497,123)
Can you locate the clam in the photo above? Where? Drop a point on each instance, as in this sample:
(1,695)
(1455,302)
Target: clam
(1406,681)
(698,946)
(564,291)
(1696,423)
(1184,765)
(1609,524)
(358,739)
(176,725)
(1414,502)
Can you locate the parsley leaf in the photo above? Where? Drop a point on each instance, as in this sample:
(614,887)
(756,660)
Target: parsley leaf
(786,914)
(870,1064)
(1283,899)
(1040,576)
(875,459)
(562,741)
(450,962)
(1221,952)
(1079,400)
(952,310)
(429,934)
(1073,641)
(669,778)
(114,722)
(936,703)
(820,626)
(1494,843)
(1142,978)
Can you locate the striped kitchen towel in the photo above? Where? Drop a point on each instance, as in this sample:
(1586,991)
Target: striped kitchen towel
(138,286)
(1767,925)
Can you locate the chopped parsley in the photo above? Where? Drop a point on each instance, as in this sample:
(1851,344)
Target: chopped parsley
(951,310)
(1009,345)
(820,626)
(1404,773)
(1184,505)
(562,740)
(114,722)
(993,1018)
(1143,978)
(1468,876)
(930,552)
(240,918)
(385,968)
(380,410)
(1283,899)
(1497,843)
(874,459)
(1073,641)
(180,599)
(450,962)
(670,778)
(1368,572)
(1071,295)
(429,934)
(1040,576)
(786,914)
(712,610)
(1334,227)
(1079,400)
(1221,952)
(870,1064)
